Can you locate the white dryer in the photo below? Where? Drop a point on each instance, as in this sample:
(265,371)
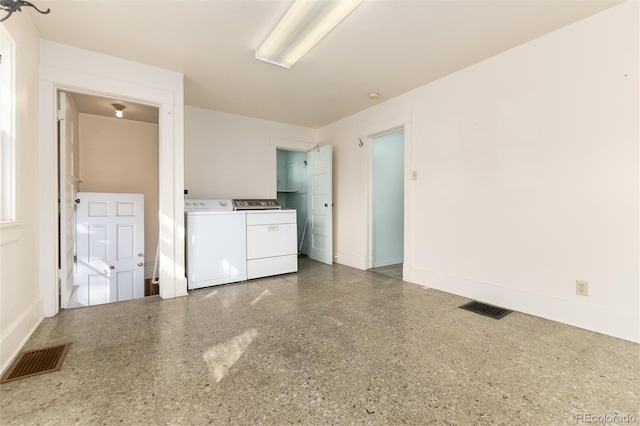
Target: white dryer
(216,243)
(272,238)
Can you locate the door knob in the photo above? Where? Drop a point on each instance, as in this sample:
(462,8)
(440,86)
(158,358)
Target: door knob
(112,267)
(140,254)
(140,263)
(326,205)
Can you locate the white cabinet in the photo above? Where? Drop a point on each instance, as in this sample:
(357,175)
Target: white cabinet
(271,243)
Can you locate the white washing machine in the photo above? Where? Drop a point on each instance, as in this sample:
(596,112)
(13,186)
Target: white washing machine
(216,243)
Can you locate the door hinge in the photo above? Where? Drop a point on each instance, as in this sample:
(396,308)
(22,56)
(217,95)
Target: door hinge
(60,115)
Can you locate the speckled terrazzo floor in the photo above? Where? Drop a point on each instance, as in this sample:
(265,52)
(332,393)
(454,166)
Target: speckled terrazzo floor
(328,345)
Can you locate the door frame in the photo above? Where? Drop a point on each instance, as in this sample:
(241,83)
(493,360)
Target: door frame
(367,144)
(65,231)
(370,215)
(75,70)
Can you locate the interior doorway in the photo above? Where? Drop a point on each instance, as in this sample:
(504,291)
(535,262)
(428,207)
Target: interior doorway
(67,68)
(387,203)
(304,183)
(99,152)
(292,185)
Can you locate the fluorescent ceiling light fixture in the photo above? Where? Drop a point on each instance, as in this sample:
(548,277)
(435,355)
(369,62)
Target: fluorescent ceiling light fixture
(304,25)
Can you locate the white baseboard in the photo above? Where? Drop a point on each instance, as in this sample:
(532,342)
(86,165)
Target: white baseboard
(406,272)
(346,259)
(14,338)
(612,322)
(181,287)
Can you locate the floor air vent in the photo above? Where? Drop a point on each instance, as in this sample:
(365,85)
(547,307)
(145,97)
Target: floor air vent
(486,310)
(40,361)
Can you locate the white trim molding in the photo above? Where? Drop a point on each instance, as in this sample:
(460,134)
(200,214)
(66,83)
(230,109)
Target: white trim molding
(612,322)
(71,69)
(17,334)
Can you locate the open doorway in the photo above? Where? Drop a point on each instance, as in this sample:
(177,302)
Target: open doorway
(387,203)
(70,69)
(292,183)
(102,153)
(304,183)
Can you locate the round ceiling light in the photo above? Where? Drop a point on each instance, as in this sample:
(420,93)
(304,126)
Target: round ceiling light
(119,110)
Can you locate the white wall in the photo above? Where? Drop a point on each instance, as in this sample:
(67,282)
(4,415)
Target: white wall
(528,176)
(20,304)
(232,156)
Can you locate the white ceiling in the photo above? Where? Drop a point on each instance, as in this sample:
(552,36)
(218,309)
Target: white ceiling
(386,46)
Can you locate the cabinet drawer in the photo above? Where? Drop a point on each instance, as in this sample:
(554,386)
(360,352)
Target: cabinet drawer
(271,240)
(272,266)
(271,218)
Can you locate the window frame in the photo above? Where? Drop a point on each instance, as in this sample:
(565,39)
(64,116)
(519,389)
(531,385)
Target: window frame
(7,128)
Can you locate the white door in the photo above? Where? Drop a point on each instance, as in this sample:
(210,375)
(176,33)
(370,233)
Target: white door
(320,205)
(110,242)
(66,193)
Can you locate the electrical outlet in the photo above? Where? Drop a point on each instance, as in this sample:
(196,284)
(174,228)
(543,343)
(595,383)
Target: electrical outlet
(582,287)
